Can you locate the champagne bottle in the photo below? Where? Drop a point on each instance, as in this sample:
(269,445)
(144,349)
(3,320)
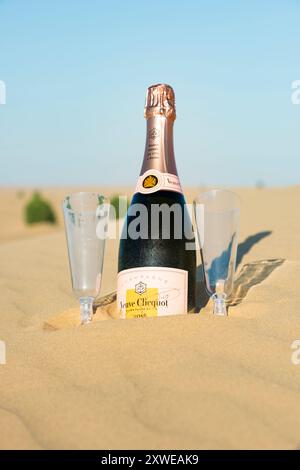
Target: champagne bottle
(156,269)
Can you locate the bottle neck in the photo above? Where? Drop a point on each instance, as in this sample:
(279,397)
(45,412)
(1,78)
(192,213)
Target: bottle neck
(159,149)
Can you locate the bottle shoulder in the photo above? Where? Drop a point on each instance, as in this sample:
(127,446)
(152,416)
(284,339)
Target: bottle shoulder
(158,197)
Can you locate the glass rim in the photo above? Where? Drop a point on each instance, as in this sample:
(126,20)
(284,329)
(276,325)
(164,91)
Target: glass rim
(82,193)
(218,190)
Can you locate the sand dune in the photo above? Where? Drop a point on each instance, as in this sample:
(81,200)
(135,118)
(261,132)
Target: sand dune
(192,381)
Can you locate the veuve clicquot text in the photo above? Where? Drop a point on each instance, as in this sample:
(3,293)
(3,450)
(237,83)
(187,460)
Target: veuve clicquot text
(157,262)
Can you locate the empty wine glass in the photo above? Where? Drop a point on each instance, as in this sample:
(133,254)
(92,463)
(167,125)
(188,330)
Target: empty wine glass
(217,214)
(85,216)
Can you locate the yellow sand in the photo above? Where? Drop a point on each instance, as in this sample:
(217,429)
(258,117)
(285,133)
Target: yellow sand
(192,381)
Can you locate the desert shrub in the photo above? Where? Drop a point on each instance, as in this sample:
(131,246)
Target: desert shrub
(39,210)
(114,201)
(20,194)
(260,184)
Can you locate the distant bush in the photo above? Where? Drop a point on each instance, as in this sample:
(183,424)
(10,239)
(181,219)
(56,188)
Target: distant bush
(20,194)
(39,210)
(114,201)
(260,184)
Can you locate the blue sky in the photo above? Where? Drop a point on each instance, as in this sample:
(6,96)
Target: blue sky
(76,73)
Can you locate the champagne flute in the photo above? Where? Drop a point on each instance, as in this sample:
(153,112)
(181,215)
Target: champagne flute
(86,216)
(217,214)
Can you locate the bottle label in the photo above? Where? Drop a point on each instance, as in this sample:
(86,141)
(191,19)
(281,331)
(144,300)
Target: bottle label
(153,180)
(152,292)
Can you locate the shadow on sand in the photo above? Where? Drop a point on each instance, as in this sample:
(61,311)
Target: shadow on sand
(246,245)
(250,275)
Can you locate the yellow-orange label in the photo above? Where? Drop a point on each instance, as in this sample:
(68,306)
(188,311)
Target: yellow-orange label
(152,292)
(141,305)
(150,181)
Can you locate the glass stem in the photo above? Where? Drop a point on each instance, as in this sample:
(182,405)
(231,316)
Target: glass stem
(86,309)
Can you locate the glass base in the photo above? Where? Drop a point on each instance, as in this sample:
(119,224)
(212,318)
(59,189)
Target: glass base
(220,305)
